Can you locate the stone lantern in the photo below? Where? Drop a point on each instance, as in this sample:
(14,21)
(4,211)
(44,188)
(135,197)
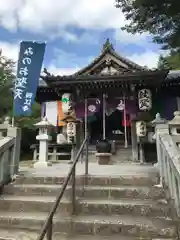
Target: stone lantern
(43,137)
(160,127)
(157,123)
(174,124)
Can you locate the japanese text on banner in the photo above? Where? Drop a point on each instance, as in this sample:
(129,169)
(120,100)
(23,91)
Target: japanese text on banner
(28,72)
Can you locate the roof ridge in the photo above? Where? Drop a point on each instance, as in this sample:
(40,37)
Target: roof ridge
(108,48)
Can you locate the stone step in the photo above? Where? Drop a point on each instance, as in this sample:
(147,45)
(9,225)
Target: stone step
(123,225)
(9,234)
(131,179)
(129,207)
(108,192)
(36,190)
(120,192)
(14,234)
(129,226)
(34,203)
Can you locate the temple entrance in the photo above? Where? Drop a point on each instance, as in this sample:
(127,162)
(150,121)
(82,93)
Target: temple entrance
(115,129)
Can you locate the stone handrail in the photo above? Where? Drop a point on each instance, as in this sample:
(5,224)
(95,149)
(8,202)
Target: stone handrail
(6,159)
(170,168)
(168,154)
(9,155)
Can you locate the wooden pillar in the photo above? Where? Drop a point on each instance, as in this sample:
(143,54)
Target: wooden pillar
(104,116)
(125,124)
(178,103)
(134,142)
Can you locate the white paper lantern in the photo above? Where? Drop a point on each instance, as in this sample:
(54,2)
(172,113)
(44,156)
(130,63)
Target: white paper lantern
(61,139)
(66,103)
(145,100)
(141,129)
(71,129)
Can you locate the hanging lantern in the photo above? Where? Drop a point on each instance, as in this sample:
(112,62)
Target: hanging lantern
(145,99)
(66,103)
(141,129)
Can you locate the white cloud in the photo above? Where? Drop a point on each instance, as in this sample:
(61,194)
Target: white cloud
(64,63)
(67,63)
(61,71)
(10,50)
(128,38)
(41,16)
(147,58)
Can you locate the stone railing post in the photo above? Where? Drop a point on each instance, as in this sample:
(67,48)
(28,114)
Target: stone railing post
(174,128)
(16,134)
(4,127)
(161,128)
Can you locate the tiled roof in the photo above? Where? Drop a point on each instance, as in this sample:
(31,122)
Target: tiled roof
(173,75)
(42,83)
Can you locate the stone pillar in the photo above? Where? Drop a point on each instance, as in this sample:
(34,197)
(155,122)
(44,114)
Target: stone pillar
(174,127)
(16,133)
(134,142)
(174,124)
(161,128)
(4,127)
(43,138)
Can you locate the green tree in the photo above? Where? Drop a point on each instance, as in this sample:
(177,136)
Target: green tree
(160,18)
(7,77)
(163,63)
(29,131)
(172,61)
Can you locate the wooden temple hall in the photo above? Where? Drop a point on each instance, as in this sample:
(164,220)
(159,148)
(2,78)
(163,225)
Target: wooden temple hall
(108,97)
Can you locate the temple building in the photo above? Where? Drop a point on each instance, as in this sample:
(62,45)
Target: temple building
(108,96)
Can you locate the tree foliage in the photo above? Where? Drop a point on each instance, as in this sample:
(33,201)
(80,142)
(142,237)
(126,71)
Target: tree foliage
(158,17)
(7,77)
(172,61)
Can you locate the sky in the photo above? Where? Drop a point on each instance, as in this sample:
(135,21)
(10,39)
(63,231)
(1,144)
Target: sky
(75,31)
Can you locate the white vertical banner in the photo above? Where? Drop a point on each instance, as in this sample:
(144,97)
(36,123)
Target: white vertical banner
(52,112)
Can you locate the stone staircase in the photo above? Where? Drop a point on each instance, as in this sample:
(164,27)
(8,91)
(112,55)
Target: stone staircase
(121,207)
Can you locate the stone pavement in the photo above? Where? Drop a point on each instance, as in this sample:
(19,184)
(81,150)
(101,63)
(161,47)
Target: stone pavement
(62,169)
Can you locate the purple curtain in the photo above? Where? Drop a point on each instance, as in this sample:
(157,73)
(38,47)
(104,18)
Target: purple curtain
(94,106)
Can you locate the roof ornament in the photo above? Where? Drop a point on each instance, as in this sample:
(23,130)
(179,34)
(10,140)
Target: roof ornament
(45,71)
(108,61)
(107,45)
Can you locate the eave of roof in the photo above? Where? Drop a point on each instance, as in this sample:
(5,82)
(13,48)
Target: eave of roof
(173,75)
(155,76)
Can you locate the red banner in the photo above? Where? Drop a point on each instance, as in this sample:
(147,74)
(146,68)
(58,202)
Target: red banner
(126,122)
